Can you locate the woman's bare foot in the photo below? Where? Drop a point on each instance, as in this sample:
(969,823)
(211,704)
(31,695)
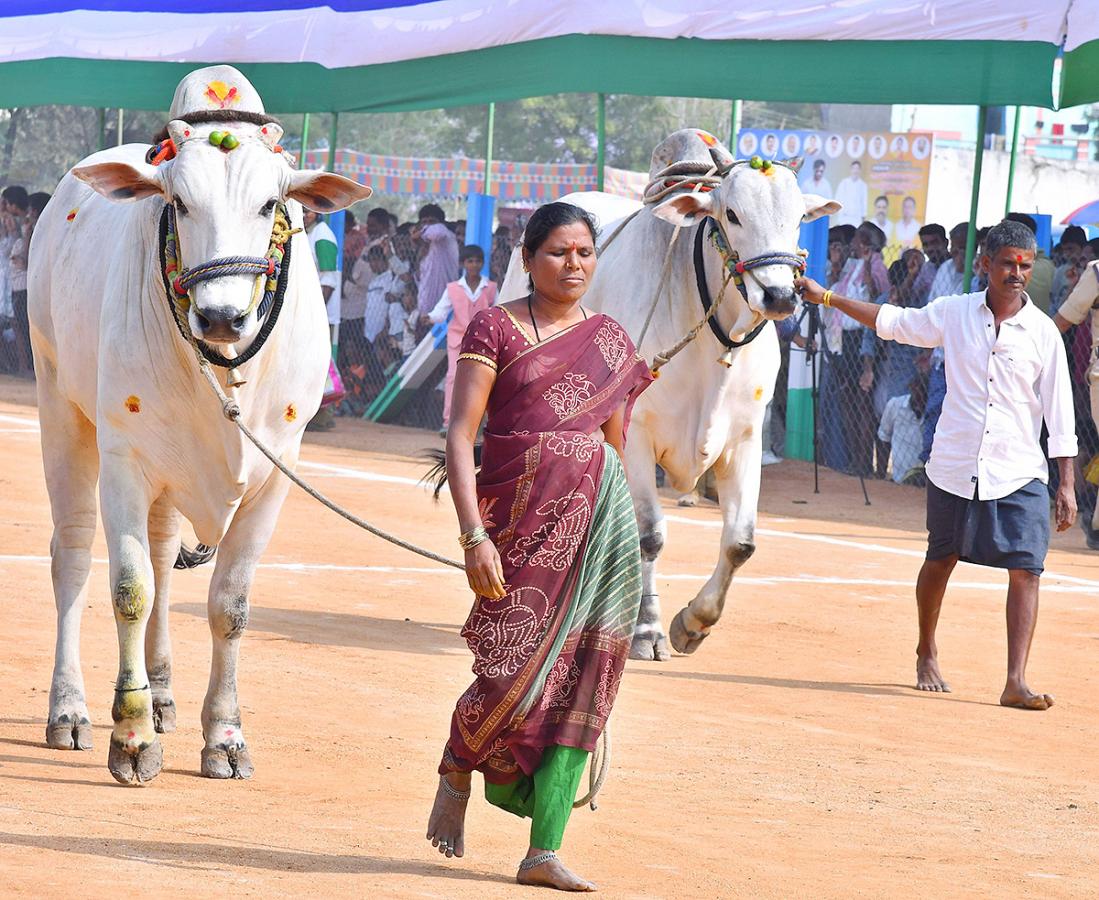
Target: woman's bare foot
(551,873)
(446,827)
(1020,696)
(928,676)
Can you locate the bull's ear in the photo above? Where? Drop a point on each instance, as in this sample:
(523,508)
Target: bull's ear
(325,192)
(685,208)
(120,181)
(816,206)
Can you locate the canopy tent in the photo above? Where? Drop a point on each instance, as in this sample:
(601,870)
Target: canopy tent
(392,55)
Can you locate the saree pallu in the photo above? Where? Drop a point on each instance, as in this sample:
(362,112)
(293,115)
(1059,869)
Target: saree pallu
(549,655)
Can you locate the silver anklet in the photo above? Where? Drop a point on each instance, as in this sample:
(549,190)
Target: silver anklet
(454,792)
(534,862)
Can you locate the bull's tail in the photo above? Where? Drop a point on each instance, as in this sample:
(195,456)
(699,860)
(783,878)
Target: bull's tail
(189,558)
(436,475)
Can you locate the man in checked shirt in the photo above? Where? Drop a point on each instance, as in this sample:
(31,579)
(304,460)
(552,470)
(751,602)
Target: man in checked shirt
(987,501)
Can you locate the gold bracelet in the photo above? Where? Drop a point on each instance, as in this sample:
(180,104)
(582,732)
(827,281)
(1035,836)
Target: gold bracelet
(473,537)
(826,300)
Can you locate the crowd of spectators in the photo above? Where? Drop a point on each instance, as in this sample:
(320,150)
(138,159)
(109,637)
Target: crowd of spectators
(879,401)
(19,212)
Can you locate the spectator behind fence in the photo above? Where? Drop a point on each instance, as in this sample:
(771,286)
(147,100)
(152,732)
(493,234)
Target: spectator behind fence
(461,300)
(949,282)
(888,367)
(1073,241)
(900,432)
(839,250)
(16,206)
(439,264)
(934,245)
(1041,278)
(8,232)
(848,444)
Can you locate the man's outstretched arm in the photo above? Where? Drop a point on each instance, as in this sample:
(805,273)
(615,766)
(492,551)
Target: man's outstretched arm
(862,312)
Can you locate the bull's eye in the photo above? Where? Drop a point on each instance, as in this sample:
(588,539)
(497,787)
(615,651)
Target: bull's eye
(268,207)
(731,216)
(181,207)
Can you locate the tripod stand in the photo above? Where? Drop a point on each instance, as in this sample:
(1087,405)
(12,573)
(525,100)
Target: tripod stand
(815,335)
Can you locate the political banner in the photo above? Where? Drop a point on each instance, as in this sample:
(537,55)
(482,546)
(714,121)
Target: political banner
(880,177)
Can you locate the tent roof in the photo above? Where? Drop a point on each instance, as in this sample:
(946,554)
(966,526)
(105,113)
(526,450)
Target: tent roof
(390,55)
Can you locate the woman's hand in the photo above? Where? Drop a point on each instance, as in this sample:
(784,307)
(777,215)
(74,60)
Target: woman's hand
(484,571)
(809,290)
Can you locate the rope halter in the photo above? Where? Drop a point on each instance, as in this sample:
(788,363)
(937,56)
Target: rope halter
(265,269)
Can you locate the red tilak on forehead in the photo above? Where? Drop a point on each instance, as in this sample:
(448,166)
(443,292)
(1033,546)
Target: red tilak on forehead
(1018,259)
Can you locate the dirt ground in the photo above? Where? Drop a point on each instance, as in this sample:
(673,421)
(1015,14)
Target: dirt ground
(789,757)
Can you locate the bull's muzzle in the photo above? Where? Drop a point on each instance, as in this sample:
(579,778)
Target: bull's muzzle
(221,325)
(779,302)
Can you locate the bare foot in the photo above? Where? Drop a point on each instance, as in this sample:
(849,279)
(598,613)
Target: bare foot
(553,873)
(1022,697)
(928,676)
(446,826)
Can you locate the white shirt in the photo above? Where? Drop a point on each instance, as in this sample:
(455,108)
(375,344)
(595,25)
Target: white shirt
(376,314)
(443,307)
(906,233)
(851,193)
(329,277)
(999,389)
(903,430)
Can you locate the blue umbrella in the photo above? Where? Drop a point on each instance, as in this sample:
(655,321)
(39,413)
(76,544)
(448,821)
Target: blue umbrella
(1088,214)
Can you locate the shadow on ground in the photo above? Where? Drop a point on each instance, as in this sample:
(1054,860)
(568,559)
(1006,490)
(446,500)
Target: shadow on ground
(346,629)
(211,857)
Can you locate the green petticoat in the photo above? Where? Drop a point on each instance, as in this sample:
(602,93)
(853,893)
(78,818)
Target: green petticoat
(546,797)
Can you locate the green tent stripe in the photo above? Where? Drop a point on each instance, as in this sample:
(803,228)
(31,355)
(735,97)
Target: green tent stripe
(1080,75)
(970,72)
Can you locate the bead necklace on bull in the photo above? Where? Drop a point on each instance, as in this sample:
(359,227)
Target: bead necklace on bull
(703,177)
(271,271)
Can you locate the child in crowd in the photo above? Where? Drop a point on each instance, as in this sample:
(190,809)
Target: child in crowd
(461,300)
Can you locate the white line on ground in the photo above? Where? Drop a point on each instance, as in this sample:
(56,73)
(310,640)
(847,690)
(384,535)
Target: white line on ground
(763,580)
(364,475)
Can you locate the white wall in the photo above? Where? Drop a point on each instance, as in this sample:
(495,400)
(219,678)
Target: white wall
(1052,186)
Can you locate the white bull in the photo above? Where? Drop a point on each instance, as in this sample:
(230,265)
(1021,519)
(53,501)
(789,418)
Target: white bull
(699,414)
(121,399)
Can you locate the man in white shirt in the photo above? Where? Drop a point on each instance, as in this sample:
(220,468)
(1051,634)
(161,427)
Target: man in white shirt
(816,183)
(852,194)
(987,501)
(901,430)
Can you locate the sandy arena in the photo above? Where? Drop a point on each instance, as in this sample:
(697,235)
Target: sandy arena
(789,757)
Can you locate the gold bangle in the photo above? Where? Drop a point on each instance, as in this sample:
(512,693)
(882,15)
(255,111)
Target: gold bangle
(473,537)
(826,300)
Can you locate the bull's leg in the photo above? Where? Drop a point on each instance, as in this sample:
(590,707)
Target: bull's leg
(163,547)
(136,754)
(225,754)
(738,474)
(649,641)
(71,463)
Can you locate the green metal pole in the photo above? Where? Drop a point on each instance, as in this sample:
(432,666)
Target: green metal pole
(978,162)
(120,126)
(304,139)
(488,147)
(1011,162)
(333,137)
(600,140)
(102,116)
(734,125)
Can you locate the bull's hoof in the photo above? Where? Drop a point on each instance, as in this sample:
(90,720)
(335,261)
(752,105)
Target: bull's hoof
(135,767)
(164,715)
(69,733)
(650,646)
(226,761)
(683,638)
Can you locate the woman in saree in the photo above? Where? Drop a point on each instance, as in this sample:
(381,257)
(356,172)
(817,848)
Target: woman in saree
(550,540)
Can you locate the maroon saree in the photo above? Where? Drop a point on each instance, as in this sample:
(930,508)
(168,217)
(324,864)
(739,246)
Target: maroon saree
(548,657)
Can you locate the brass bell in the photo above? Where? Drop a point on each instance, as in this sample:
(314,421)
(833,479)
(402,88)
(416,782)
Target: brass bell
(726,358)
(234,378)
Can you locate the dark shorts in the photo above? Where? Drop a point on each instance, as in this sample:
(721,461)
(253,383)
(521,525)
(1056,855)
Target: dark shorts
(1009,533)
